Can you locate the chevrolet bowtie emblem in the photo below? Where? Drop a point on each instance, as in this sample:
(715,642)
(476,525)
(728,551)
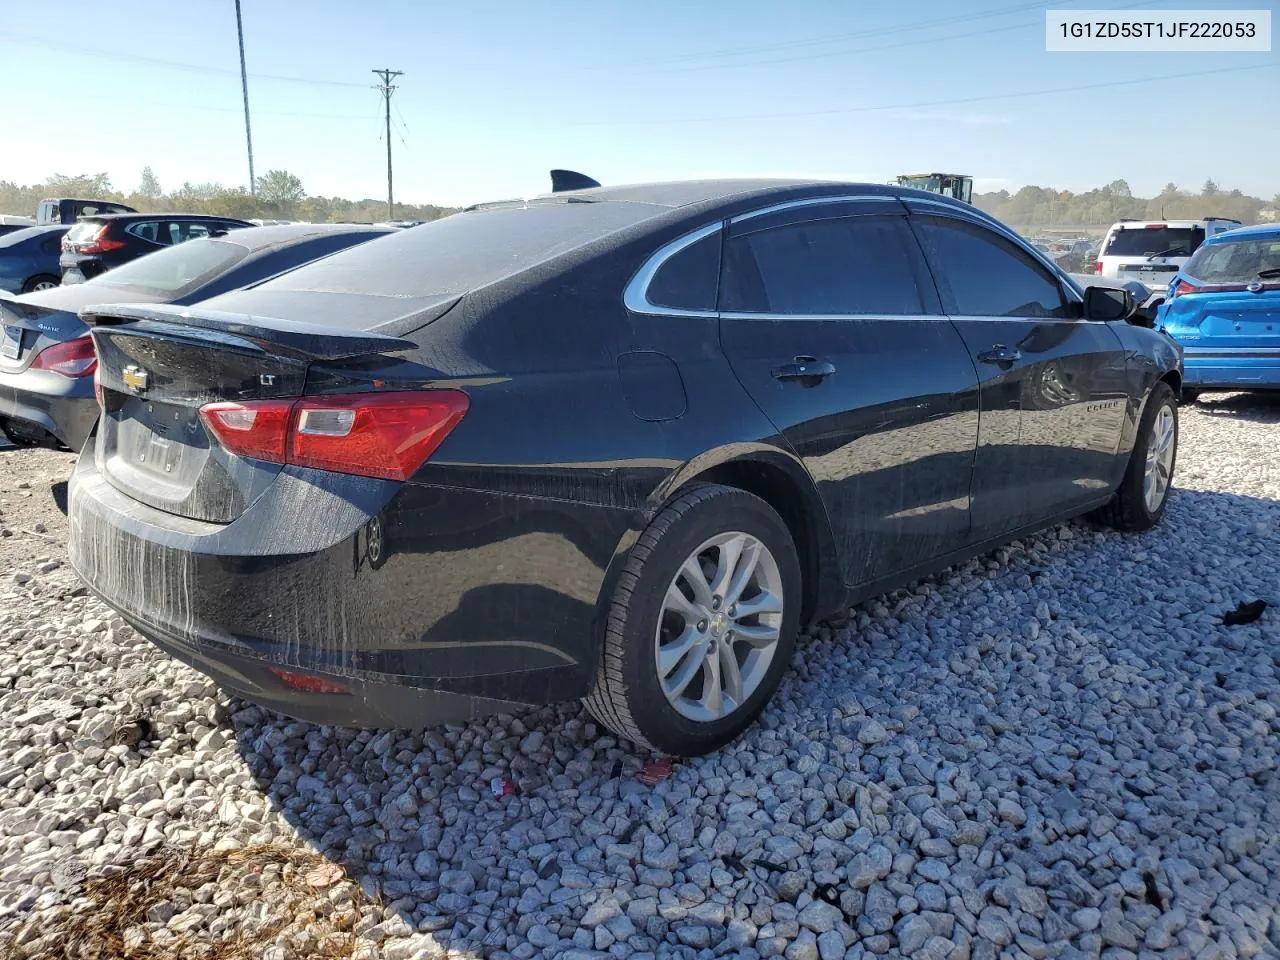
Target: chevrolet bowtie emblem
(135,378)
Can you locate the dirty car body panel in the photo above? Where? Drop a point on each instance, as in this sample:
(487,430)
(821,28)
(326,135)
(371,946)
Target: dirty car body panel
(598,369)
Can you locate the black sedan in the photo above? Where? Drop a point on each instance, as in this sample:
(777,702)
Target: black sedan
(105,241)
(46,355)
(618,444)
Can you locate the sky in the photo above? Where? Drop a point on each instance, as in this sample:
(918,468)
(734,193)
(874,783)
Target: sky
(497,92)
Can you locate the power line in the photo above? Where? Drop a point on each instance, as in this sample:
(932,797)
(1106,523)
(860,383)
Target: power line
(1107,84)
(157,62)
(880,47)
(841,38)
(388,88)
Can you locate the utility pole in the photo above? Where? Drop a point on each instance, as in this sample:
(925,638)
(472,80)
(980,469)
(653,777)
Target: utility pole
(244,84)
(387,88)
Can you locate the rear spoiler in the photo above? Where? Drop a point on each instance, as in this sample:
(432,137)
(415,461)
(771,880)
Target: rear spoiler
(307,341)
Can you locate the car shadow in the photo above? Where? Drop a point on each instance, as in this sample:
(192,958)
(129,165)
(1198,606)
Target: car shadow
(1257,405)
(396,808)
(59,493)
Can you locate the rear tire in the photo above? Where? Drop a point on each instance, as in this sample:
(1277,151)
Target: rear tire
(41,281)
(723,644)
(1140,501)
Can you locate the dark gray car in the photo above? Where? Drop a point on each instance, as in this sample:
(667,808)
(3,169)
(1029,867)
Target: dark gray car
(47,359)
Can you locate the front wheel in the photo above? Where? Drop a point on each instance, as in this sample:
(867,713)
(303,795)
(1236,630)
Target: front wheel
(1140,501)
(701,625)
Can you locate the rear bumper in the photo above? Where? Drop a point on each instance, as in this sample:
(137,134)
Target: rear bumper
(77,269)
(1243,371)
(475,603)
(60,406)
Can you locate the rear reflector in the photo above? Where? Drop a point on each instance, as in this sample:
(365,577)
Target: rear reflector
(71,358)
(306,682)
(387,435)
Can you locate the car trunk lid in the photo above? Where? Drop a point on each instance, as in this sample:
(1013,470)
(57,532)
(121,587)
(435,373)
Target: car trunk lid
(158,365)
(1232,321)
(27,327)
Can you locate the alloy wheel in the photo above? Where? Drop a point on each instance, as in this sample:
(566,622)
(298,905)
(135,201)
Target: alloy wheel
(1159,466)
(719,627)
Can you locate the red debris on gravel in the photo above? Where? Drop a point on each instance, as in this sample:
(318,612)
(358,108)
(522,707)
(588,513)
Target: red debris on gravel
(654,772)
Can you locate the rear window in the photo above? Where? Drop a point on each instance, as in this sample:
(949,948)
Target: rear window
(84,231)
(175,271)
(1152,241)
(1238,261)
(460,253)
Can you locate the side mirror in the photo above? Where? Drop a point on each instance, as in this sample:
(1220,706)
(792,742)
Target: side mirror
(1108,303)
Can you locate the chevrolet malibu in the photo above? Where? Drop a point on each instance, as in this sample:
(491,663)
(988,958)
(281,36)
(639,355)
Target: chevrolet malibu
(617,444)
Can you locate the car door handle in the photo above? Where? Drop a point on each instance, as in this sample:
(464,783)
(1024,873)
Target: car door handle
(809,369)
(1000,354)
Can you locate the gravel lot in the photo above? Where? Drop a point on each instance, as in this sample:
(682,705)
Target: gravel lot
(1056,750)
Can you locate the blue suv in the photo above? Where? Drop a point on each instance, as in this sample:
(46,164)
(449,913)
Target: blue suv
(1223,306)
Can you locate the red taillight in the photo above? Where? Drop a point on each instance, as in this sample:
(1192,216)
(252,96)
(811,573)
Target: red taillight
(1155,226)
(258,429)
(1183,287)
(306,682)
(99,244)
(386,435)
(1097,268)
(71,358)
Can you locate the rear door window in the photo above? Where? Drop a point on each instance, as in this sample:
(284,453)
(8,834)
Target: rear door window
(981,274)
(1152,241)
(840,266)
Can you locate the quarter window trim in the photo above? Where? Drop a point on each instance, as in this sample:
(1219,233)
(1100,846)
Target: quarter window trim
(635,297)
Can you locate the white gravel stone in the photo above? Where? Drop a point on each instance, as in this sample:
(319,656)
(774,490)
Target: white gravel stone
(1009,757)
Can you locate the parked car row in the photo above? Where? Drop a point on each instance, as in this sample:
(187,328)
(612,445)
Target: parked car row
(611,443)
(47,358)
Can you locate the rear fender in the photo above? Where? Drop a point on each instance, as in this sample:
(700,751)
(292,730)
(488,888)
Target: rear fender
(776,476)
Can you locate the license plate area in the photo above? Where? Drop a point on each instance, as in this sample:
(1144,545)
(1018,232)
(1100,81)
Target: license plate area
(159,438)
(11,342)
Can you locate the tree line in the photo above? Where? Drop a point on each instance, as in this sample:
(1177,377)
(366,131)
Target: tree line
(280,196)
(1045,206)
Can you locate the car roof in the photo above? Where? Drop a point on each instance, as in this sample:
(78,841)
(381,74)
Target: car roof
(103,217)
(1240,233)
(32,233)
(681,193)
(284,234)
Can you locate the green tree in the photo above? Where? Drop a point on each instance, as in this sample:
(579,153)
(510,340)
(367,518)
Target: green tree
(149,185)
(281,191)
(1209,189)
(96,187)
